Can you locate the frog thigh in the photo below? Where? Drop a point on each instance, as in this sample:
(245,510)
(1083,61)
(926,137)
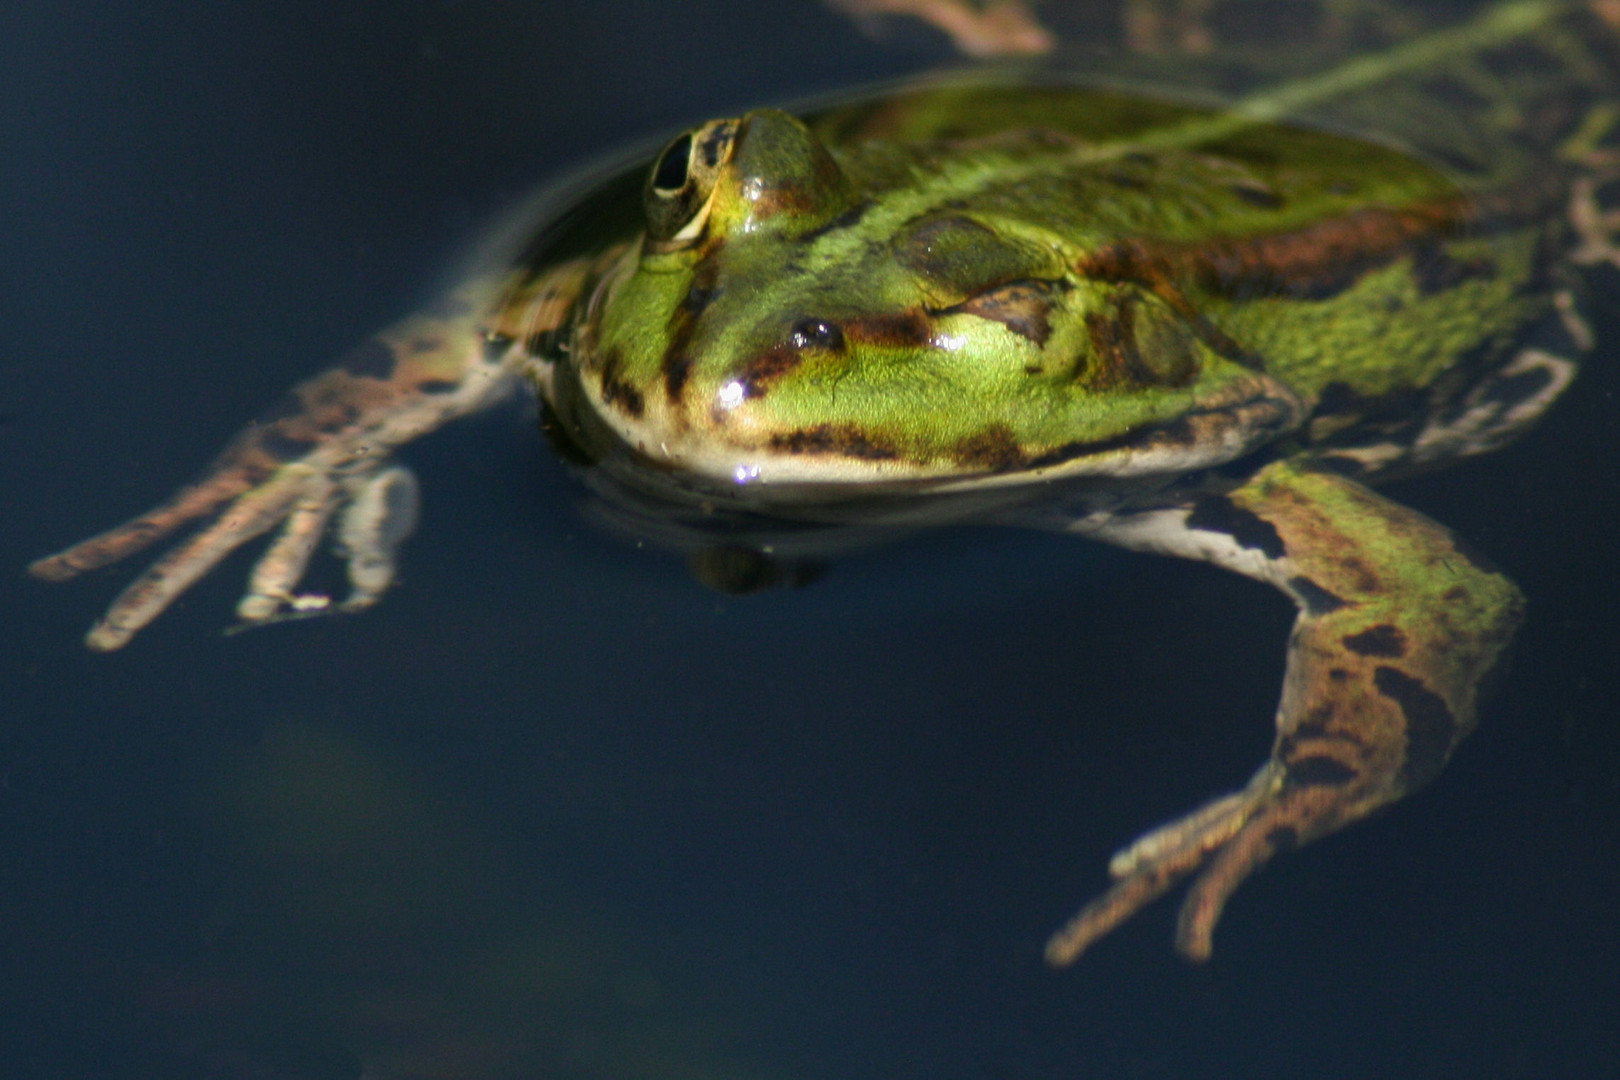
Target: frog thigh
(1397,627)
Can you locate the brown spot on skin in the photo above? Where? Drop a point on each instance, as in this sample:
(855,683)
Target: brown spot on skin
(833,439)
(372,360)
(758,374)
(1020,306)
(901,329)
(438,386)
(1382,640)
(1338,674)
(992,450)
(677,366)
(1431,729)
(1113,347)
(616,393)
(426,345)
(1367,582)
(1316,261)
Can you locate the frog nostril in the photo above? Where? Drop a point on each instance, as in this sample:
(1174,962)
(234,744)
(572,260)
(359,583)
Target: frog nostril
(816,334)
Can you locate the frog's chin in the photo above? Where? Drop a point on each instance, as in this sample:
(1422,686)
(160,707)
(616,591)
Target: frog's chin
(830,464)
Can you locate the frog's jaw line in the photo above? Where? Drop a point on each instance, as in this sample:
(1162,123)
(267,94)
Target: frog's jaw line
(1245,415)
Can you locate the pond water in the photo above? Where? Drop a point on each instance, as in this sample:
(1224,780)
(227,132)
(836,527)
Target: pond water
(553,809)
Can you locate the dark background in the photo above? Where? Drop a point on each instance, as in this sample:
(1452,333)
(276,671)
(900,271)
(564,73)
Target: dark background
(553,805)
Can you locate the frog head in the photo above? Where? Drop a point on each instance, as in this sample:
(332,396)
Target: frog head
(799,314)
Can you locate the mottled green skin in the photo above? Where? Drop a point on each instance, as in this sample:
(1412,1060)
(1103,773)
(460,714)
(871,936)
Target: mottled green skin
(895,220)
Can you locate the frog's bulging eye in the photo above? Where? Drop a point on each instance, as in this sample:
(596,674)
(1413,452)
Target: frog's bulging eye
(816,334)
(680,188)
(669,175)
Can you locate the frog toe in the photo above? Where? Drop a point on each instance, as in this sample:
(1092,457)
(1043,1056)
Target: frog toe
(1152,864)
(250,515)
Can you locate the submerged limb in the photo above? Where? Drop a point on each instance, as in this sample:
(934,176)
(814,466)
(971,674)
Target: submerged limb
(1397,627)
(325,448)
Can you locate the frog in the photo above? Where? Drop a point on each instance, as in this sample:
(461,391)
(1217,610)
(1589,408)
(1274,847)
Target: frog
(1197,329)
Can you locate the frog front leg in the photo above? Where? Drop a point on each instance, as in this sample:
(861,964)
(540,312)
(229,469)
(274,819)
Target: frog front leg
(1397,627)
(323,456)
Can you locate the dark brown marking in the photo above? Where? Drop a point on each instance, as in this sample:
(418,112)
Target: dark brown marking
(992,450)
(1382,640)
(677,367)
(438,386)
(1430,727)
(425,345)
(616,393)
(1315,261)
(1317,600)
(1217,513)
(373,360)
(833,439)
(1113,346)
(759,373)
(1020,306)
(1319,770)
(697,299)
(900,329)
(1338,674)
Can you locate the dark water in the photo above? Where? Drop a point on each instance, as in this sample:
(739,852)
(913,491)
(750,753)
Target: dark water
(555,811)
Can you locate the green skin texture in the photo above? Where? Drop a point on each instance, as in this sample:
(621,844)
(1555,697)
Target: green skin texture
(1042,215)
(1397,626)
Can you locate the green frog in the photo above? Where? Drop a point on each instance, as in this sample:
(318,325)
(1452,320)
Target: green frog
(1139,317)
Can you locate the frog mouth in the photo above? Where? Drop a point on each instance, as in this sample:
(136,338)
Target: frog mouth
(1225,423)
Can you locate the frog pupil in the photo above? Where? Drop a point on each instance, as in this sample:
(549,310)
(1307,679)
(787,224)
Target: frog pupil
(670,174)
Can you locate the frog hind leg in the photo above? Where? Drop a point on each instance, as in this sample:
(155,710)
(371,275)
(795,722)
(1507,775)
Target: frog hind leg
(1398,625)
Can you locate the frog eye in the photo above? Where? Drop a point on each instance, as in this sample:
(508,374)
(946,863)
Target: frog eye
(680,188)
